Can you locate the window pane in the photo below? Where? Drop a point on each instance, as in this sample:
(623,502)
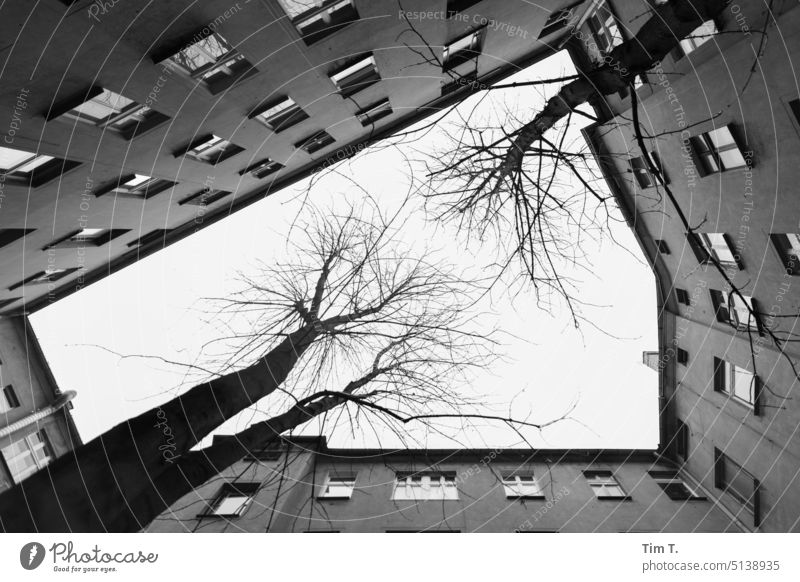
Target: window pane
(721,137)
(10,158)
(732,158)
(743,384)
(231,505)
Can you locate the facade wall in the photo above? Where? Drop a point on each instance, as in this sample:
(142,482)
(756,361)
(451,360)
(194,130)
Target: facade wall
(116,48)
(710,88)
(568,504)
(25,370)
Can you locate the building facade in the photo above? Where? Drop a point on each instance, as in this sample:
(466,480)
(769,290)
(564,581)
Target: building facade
(131,128)
(35,423)
(303,486)
(724,128)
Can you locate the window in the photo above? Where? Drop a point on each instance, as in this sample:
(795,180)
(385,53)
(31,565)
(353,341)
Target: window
(279,115)
(209,58)
(642,173)
(738,383)
(696,39)
(662,246)
(338,487)
(732,478)
(557,20)
(87,237)
(463,49)
(232,500)
(682,356)
(210,149)
(262,169)
(51,275)
(522,486)
(604,29)
(423,486)
(788,247)
(135,186)
(674,486)
(456,6)
(9,235)
(717,151)
(356,76)
(681,439)
(104,108)
(373,113)
(152,236)
(315,143)
(740,312)
(316,19)
(604,485)
(27,455)
(683,296)
(205,197)
(31,169)
(713,244)
(9,400)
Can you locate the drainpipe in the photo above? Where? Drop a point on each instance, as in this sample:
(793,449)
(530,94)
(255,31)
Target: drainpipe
(33,417)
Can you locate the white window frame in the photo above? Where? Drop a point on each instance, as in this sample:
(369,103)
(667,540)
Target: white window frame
(276,116)
(25,166)
(717,245)
(354,71)
(338,486)
(36,447)
(522,486)
(120,116)
(211,150)
(605,485)
(425,487)
(217,63)
(673,480)
(714,148)
(468,43)
(229,492)
(736,382)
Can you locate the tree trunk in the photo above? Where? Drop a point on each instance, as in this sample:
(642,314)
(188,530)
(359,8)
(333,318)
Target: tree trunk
(86,489)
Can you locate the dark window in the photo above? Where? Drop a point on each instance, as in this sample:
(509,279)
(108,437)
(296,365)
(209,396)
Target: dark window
(788,247)
(9,235)
(232,500)
(356,75)
(683,356)
(91,237)
(205,197)
(210,149)
(373,113)
(732,478)
(642,173)
(717,151)
(557,20)
(662,246)
(280,114)
(10,399)
(317,20)
(683,296)
(315,143)
(31,169)
(604,29)
(135,186)
(262,169)
(794,105)
(681,439)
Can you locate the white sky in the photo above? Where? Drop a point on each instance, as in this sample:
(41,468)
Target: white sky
(151,308)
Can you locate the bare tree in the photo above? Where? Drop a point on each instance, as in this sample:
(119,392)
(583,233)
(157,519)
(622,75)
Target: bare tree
(355,322)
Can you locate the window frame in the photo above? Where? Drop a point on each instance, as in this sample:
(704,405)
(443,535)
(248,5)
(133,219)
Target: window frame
(599,480)
(557,20)
(325,8)
(707,155)
(453,60)
(316,142)
(358,79)
(262,168)
(9,400)
(226,149)
(204,197)
(283,118)
(31,451)
(788,254)
(40,174)
(665,479)
(682,296)
(688,45)
(74,240)
(727,311)
(143,190)
(725,374)
(342,478)
(246,490)
(446,484)
(523,481)
(704,250)
(752,502)
(373,113)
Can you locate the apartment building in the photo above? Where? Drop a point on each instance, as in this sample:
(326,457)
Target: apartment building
(129,125)
(724,129)
(35,423)
(301,485)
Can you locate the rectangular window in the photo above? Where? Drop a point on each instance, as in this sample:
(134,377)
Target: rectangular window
(232,500)
(209,58)
(205,197)
(740,312)
(135,186)
(642,173)
(683,296)
(424,486)
(338,487)
(92,237)
(732,478)
(696,39)
(27,455)
(605,485)
(736,382)
(604,29)
(717,151)
(788,247)
(356,76)
(557,20)
(279,115)
(373,113)
(51,275)
(682,356)
(717,245)
(9,400)
(31,169)
(464,49)
(9,235)
(674,486)
(107,109)
(315,143)
(662,246)
(681,439)
(210,149)
(317,19)
(262,169)
(522,486)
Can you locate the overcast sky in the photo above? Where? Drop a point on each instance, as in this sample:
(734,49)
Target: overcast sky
(151,308)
